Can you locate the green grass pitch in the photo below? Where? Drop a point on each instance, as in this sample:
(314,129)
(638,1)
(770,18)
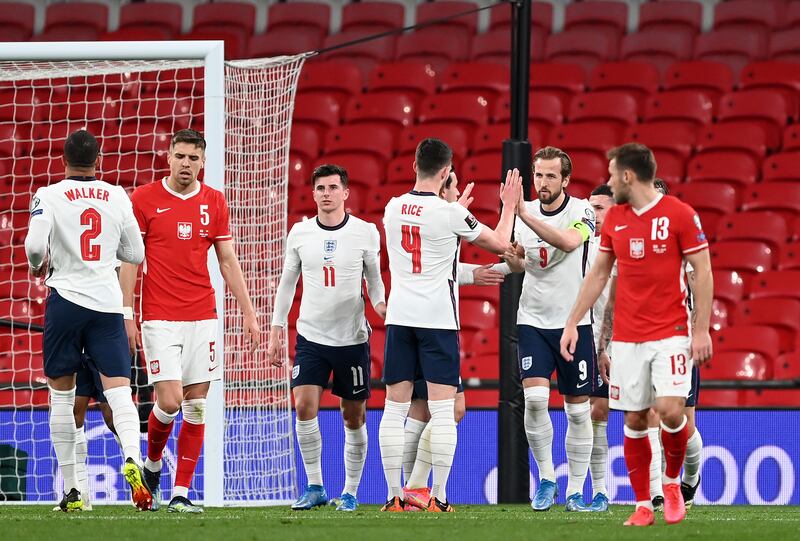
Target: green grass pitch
(479,522)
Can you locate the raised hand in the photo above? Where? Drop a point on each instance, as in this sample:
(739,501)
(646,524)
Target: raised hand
(466,198)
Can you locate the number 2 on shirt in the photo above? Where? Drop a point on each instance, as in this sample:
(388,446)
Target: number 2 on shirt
(89,251)
(412,243)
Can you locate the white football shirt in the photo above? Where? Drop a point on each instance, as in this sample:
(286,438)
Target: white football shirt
(87,220)
(423,233)
(552,277)
(333,262)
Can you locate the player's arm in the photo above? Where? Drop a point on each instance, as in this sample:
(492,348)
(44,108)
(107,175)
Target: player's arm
(479,275)
(606,330)
(703,298)
(592,287)
(283,300)
(496,241)
(131,245)
(38,237)
(232,274)
(128,273)
(372,273)
(565,240)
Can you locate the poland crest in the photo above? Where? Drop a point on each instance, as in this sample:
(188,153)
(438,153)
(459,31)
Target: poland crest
(184,230)
(637,248)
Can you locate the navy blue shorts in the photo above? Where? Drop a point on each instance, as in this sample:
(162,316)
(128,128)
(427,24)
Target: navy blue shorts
(540,355)
(88,381)
(350,365)
(412,352)
(694,394)
(600,388)
(70,329)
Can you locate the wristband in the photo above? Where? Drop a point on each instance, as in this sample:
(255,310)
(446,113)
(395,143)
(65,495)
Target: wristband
(127,312)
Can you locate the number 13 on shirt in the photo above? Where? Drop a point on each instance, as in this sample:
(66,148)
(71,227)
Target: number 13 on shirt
(412,243)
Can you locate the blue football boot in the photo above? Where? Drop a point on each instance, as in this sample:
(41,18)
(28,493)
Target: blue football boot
(576,503)
(347,502)
(545,496)
(314,496)
(599,503)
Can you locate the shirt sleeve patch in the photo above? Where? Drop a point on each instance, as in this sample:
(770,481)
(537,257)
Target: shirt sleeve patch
(471,221)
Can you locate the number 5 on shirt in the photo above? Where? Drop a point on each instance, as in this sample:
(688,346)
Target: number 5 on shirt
(412,243)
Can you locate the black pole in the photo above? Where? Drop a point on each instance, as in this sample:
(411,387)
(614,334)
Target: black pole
(512,447)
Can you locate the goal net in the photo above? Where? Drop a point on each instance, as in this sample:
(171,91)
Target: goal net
(133,106)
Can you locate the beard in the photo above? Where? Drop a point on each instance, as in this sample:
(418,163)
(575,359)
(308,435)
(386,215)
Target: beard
(549,197)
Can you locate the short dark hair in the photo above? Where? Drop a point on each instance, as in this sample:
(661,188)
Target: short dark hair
(661,186)
(432,155)
(603,189)
(328,169)
(193,137)
(81,149)
(637,158)
(551,153)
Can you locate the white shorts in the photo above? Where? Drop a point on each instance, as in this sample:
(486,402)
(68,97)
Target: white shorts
(184,351)
(641,372)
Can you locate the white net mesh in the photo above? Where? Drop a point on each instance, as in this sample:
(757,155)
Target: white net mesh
(133,107)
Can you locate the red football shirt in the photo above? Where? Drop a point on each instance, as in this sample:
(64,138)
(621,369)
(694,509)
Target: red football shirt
(650,245)
(178,230)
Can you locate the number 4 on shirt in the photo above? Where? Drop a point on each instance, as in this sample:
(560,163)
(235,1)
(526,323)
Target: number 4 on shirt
(412,243)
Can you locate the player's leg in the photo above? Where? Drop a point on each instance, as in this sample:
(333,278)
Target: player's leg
(81,450)
(576,381)
(631,390)
(162,342)
(672,379)
(351,382)
(538,425)
(694,446)
(418,417)
(598,464)
(399,369)
(656,462)
(62,359)
(441,365)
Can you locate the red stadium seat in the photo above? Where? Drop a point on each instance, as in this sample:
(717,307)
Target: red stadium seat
(789,257)
(565,80)
(728,285)
(482,293)
(319,109)
(482,169)
(494,46)
(16,21)
(780,197)
(596,138)
(618,76)
(588,171)
(363,170)
(283,41)
(466,24)
(711,78)
(304,141)
(89,17)
(340,79)
(689,107)
(392,110)
(663,137)
(728,136)
(541,17)
(730,167)
(791,137)
(738,366)
(365,55)
(709,200)
(415,79)
(372,17)
(314,15)
(782,314)
(235,17)
(378,141)
(744,16)
(465,108)
(492,79)
(776,284)
(599,14)
(485,342)
(747,257)
(785,46)
(781,76)
(613,107)
(165,17)
(14,139)
(489,139)
(787,366)
(784,166)
(739,226)
(544,110)
(681,16)
(731,46)
(235,40)
(427,46)
(399,170)
(377,198)
(481,367)
(770,398)
(455,134)
(585,47)
(301,201)
(659,48)
(136,34)
(477,315)
(758,339)
(768,108)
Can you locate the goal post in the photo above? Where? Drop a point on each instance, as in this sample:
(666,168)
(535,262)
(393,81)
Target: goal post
(135,94)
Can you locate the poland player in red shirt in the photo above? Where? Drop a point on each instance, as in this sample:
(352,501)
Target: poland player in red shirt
(649,235)
(180,219)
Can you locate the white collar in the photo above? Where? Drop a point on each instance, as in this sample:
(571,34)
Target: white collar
(648,206)
(180,195)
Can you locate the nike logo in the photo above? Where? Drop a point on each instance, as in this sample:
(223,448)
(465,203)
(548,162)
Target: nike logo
(619,227)
(677,383)
(582,385)
(187,458)
(159,211)
(359,391)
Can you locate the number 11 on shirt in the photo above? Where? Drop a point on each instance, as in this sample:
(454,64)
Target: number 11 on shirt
(412,243)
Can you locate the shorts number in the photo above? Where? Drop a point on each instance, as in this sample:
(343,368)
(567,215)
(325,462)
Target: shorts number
(89,251)
(543,257)
(330,276)
(212,353)
(678,364)
(583,371)
(358,376)
(412,243)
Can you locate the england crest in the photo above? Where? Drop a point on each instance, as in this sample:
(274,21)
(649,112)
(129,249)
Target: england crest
(637,248)
(329,247)
(527,362)
(184,230)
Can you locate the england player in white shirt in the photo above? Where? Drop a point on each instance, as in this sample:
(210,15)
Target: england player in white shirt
(334,253)
(555,232)
(78,229)
(423,233)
